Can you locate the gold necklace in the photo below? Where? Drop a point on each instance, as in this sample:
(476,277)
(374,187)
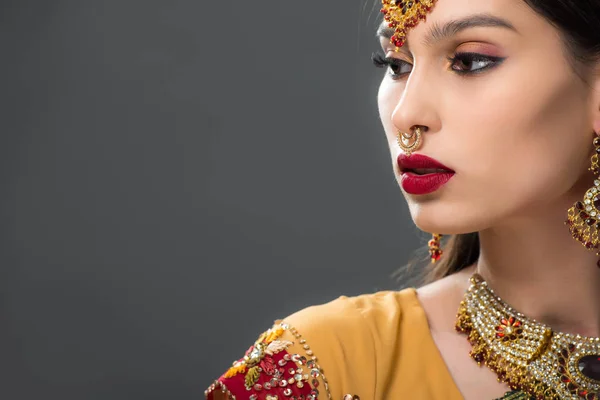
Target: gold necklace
(527,354)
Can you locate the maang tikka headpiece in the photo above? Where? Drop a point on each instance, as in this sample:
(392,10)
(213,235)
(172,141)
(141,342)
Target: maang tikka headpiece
(402,15)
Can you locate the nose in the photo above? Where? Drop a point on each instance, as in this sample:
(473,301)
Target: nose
(416,107)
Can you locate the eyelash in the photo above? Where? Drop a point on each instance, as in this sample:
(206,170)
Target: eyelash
(381,61)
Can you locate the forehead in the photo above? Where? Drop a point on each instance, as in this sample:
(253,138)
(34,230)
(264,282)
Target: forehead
(459,8)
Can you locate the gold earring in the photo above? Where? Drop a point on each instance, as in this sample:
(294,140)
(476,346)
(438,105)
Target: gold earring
(409,142)
(583,218)
(434,247)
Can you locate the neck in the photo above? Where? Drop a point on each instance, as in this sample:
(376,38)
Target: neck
(536,267)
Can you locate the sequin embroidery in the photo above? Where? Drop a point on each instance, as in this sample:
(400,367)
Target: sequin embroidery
(268,371)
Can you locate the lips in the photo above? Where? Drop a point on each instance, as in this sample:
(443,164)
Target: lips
(421,165)
(422,175)
(425,171)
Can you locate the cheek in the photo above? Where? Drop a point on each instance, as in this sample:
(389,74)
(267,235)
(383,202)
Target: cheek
(524,151)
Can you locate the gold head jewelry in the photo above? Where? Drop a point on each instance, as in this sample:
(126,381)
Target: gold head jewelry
(402,15)
(409,142)
(583,218)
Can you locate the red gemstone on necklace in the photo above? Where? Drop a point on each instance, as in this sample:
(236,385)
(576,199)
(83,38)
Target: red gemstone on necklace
(562,361)
(584,215)
(571,386)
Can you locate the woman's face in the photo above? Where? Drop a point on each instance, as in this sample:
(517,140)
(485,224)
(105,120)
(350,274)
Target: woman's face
(515,122)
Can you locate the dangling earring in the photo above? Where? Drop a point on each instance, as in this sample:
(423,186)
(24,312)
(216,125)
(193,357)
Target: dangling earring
(409,142)
(583,217)
(434,247)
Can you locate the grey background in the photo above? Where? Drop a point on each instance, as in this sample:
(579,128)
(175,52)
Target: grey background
(175,175)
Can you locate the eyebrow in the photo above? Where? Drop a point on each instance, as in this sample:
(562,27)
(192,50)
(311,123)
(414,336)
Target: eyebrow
(439,32)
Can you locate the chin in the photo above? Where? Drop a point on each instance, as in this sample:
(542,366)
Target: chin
(446,223)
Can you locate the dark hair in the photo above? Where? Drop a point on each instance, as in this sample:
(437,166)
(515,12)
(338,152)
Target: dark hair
(578,22)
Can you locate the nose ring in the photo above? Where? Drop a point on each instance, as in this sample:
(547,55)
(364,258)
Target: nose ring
(409,142)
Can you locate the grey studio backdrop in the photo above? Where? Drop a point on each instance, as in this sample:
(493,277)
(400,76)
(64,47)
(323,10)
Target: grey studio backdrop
(175,176)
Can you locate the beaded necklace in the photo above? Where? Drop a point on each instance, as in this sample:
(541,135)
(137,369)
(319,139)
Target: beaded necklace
(528,355)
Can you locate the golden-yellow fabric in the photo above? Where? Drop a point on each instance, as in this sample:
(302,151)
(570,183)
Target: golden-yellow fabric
(375,346)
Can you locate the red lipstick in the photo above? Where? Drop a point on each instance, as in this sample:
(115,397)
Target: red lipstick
(422,174)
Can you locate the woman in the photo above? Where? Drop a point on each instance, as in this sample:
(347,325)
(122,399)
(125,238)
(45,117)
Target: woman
(491,110)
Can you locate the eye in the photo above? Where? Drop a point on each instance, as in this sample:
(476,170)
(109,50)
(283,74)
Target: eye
(397,68)
(472,63)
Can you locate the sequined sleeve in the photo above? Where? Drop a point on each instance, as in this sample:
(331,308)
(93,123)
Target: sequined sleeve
(279,365)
